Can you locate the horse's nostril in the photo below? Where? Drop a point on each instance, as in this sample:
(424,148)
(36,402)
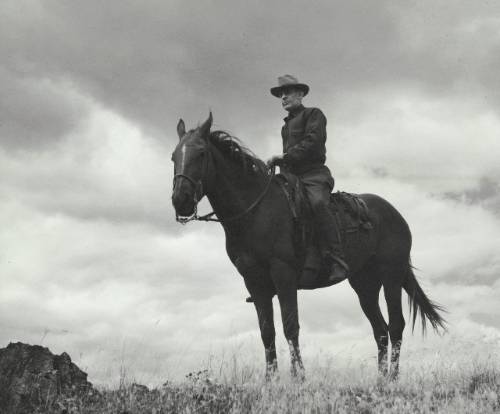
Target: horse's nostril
(183,203)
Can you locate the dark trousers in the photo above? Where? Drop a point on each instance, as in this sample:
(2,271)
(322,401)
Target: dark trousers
(318,184)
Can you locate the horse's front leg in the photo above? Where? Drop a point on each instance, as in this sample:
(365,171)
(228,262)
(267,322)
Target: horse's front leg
(261,290)
(284,277)
(264,307)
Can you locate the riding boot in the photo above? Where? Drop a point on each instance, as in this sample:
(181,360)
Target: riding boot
(336,266)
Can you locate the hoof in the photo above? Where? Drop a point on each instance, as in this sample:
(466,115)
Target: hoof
(298,375)
(393,376)
(272,372)
(383,370)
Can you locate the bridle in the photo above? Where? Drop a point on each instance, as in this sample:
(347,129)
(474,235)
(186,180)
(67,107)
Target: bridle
(198,194)
(198,187)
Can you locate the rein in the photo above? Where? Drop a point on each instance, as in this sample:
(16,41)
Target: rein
(209,217)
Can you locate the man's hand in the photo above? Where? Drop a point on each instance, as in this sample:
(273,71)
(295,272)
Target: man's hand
(276,160)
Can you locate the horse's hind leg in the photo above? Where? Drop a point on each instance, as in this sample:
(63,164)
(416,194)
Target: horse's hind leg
(367,286)
(392,292)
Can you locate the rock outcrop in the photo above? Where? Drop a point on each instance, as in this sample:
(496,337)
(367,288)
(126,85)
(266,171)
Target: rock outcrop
(31,376)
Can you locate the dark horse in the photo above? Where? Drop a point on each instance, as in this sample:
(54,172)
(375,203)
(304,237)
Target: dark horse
(258,225)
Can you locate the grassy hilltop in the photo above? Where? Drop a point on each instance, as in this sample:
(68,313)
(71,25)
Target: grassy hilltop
(450,384)
(428,394)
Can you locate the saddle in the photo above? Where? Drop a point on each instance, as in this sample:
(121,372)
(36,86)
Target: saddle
(352,217)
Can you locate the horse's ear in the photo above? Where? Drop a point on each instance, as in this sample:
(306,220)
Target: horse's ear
(205,128)
(181,128)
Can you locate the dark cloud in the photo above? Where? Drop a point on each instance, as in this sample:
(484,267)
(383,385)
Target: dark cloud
(87,202)
(485,194)
(157,61)
(36,112)
(96,174)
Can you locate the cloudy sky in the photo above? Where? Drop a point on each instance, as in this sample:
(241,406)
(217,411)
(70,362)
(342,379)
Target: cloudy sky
(91,259)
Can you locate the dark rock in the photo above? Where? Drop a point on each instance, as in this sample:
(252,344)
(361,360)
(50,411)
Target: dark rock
(32,377)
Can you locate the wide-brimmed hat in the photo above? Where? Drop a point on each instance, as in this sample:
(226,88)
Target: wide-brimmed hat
(288,81)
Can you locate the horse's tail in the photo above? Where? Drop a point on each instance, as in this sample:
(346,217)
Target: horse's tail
(419,302)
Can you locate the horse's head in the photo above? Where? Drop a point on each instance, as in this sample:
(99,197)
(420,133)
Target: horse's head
(191,158)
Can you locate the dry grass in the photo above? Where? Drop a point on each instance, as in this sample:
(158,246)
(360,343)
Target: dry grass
(441,385)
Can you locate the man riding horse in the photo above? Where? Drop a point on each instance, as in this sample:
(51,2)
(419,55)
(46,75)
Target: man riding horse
(304,154)
(260,232)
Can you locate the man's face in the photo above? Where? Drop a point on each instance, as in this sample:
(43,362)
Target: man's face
(291,98)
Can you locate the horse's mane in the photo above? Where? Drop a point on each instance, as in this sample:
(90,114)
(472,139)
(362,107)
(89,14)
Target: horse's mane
(232,147)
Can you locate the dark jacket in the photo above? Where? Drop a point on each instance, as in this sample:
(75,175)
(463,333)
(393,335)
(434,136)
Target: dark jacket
(304,137)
